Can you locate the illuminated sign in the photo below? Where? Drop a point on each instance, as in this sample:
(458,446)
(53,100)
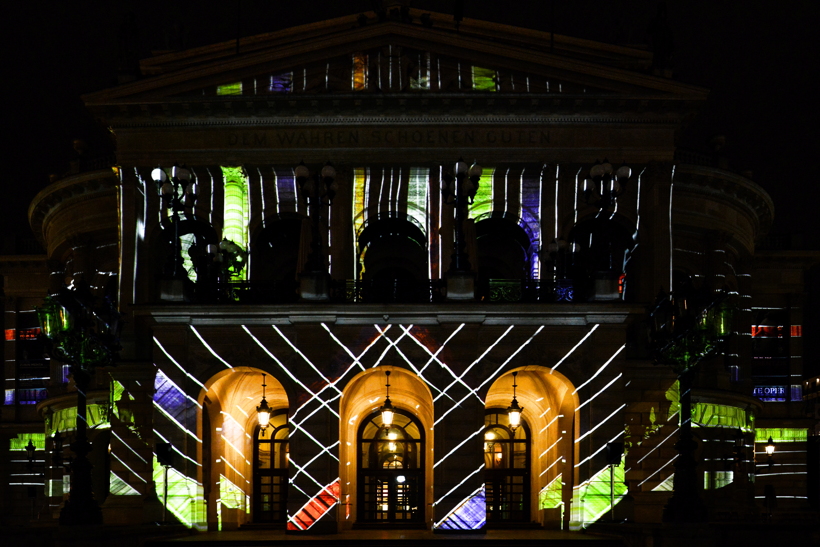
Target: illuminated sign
(770,393)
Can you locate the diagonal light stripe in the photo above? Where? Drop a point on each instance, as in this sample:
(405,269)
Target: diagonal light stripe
(394,345)
(486,351)
(454,488)
(599,391)
(209,348)
(576,346)
(658,445)
(600,370)
(599,424)
(603,446)
(185,372)
(450,453)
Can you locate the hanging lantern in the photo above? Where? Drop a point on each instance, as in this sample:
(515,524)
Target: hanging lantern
(514,410)
(386,409)
(770,447)
(263,411)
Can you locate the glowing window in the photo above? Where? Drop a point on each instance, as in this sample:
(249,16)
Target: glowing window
(281,83)
(420,78)
(235,218)
(781,435)
(417,187)
(359,72)
(483,203)
(484,79)
(229,89)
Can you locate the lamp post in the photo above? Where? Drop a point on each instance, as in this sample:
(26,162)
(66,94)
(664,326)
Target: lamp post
(320,189)
(85,337)
(605,184)
(459,188)
(686,327)
(769,452)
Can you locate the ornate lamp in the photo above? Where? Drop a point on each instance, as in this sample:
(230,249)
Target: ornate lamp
(769,452)
(177,193)
(459,188)
(514,410)
(387,409)
(263,411)
(605,184)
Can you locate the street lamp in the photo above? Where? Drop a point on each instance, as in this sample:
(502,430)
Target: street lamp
(387,410)
(514,411)
(320,189)
(605,184)
(263,411)
(686,327)
(770,452)
(459,188)
(84,336)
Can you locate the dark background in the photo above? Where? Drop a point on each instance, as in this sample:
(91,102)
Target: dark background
(759,58)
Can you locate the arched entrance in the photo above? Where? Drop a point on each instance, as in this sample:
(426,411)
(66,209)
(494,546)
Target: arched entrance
(362,436)
(391,470)
(270,470)
(533,479)
(240,466)
(506,469)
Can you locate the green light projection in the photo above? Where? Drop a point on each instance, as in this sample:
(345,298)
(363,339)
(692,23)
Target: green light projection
(483,202)
(186,497)
(712,415)
(235,213)
(781,435)
(484,79)
(20,442)
(229,89)
(118,487)
(592,499)
(550,496)
(65,419)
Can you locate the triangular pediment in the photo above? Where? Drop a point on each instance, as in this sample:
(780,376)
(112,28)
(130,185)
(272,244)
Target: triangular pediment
(425,55)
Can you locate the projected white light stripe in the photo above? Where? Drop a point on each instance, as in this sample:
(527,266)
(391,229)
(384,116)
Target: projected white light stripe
(176,423)
(236,449)
(128,446)
(599,391)
(434,356)
(308,361)
(599,424)
(495,373)
(476,361)
(551,422)
(175,449)
(576,346)
(551,466)
(288,372)
(658,470)
(127,467)
(316,457)
(394,345)
(168,355)
(462,443)
(602,447)
(600,370)
(550,447)
(209,348)
(301,469)
(456,487)
(658,445)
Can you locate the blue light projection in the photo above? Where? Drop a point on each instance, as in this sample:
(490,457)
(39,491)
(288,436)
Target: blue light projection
(470,514)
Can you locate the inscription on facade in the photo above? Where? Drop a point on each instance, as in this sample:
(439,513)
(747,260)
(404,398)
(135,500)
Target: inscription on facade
(388,138)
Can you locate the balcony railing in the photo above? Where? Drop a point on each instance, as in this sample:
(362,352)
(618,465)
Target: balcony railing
(393,291)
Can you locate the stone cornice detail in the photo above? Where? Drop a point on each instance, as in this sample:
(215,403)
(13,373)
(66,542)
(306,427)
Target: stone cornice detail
(362,314)
(720,185)
(72,187)
(387,109)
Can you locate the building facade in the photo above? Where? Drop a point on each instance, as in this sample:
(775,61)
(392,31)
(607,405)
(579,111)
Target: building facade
(534,286)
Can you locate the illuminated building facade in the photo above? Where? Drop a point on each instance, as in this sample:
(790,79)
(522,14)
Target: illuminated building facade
(555,289)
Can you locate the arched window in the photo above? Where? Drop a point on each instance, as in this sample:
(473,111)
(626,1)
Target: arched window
(270,470)
(601,248)
(394,260)
(391,470)
(506,469)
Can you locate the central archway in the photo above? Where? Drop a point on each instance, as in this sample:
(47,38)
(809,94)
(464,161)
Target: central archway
(360,423)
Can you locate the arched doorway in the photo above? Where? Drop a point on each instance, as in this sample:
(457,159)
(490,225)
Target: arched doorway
(236,457)
(270,470)
(391,470)
(506,469)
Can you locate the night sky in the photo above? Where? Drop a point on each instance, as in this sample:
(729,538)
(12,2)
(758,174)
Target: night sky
(759,58)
